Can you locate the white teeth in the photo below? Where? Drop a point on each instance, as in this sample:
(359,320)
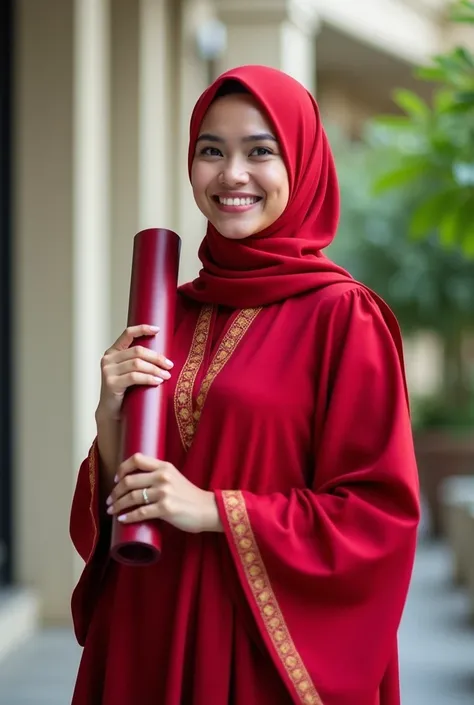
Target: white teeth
(238,201)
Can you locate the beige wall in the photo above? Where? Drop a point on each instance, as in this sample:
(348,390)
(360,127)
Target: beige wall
(103,95)
(43,314)
(156,78)
(273,33)
(342,105)
(98,141)
(61,252)
(401,28)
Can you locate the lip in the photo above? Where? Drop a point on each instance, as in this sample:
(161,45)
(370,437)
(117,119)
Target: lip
(235,194)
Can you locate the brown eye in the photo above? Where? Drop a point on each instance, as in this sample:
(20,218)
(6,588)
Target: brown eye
(260,152)
(211,152)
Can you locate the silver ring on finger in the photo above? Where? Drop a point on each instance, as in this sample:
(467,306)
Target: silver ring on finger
(146,498)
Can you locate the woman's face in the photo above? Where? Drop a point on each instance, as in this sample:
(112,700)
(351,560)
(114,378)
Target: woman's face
(239,179)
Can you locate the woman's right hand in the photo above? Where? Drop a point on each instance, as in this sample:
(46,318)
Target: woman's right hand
(125,365)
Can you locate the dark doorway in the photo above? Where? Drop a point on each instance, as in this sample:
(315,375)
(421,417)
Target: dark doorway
(6,34)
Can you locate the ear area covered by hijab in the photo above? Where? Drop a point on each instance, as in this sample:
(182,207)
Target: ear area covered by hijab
(285,259)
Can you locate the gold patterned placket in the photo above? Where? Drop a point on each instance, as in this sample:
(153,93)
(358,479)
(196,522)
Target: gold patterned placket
(187,417)
(265,598)
(183,397)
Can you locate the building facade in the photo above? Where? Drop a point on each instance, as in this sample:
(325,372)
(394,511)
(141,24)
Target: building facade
(96,99)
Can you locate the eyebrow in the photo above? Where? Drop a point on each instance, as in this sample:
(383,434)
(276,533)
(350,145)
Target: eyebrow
(207,137)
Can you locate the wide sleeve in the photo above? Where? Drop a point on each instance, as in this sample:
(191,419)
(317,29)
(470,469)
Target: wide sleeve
(326,569)
(90,533)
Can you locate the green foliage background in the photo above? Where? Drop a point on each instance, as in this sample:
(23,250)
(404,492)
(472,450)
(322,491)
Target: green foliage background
(430,146)
(407,220)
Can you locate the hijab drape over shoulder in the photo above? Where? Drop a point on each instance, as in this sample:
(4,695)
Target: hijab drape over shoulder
(287,400)
(286,258)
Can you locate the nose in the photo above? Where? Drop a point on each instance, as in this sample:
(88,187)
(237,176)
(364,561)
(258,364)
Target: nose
(234,173)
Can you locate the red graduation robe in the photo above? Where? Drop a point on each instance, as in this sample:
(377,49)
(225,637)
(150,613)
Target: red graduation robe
(296,415)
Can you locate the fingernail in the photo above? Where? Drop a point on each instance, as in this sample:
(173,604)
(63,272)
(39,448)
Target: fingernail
(166,374)
(109,500)
(168,362)
(122,517)
(116,478)
(110,510)
(155,328)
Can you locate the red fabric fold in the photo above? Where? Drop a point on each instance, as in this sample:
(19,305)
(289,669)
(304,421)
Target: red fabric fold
(85,505)
(90,532)
(338,555)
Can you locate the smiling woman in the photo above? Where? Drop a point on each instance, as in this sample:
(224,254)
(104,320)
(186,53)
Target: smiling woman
(239,178)
(288,495)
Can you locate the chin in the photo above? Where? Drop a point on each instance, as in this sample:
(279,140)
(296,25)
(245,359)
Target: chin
(239,233)
(235,236)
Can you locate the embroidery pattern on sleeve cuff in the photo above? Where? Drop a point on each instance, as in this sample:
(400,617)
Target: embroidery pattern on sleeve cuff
(265,598)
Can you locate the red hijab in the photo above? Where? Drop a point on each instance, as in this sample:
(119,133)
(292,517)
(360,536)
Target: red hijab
(285,259)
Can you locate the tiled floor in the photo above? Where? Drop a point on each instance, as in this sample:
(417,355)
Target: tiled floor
(436,649)
(436,641)
(42,672)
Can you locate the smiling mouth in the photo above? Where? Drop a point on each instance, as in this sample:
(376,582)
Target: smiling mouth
(248,201)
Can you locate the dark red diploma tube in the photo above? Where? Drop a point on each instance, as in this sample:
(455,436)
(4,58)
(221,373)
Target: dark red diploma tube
(152,301)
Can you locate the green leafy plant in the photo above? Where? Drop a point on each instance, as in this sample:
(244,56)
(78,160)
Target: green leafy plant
(428,286)
(433,413)
(429,147)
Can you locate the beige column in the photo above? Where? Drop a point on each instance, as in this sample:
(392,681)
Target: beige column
(279,33)
(125,139)
(145,147)
(156,97)
(194,78)
(60,300)
(91,212)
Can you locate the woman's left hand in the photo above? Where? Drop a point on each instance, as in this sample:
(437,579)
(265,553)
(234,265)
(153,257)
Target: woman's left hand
(152,489)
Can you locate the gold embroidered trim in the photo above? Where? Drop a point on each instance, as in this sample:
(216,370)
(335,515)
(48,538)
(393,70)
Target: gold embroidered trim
(265,598)
(232,338)
(188,417)
(183,398)
(92,482)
